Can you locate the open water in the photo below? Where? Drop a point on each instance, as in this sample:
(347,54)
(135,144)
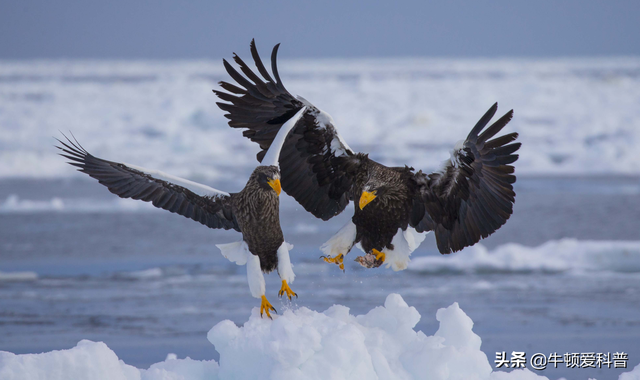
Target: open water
(148,283)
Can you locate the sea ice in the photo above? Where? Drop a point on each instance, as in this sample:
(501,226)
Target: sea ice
(565,255)
(18,276)
(574,116)
(299,344)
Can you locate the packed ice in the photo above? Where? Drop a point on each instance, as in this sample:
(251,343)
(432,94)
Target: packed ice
(566,255)
(14,204)
(299,344)
(576,116)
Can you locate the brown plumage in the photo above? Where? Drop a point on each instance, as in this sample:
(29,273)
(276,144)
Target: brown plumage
(254,211)
(468,199)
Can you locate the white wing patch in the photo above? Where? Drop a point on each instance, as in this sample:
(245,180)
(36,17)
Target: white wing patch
(324,121)
(323,118)
(339,147)
(197,188)
(455,152)
(272,157)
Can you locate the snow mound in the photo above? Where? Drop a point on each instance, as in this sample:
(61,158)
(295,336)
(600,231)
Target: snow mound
(299,344)
(566,255)
(305,344)
(87,360)
(96,361)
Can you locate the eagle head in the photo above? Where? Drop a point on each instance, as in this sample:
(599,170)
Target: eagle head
(268,178)
(370,192)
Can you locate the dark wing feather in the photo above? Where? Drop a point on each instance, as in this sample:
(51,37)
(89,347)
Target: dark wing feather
(314,160)
(472,196)
(212,211)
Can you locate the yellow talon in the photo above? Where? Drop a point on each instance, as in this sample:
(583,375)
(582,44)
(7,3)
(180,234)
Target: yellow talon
(379,255)
(338,260)
(266,307)
(286,289)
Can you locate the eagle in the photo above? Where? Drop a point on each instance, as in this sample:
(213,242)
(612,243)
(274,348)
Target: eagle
(254,211)
(469,198)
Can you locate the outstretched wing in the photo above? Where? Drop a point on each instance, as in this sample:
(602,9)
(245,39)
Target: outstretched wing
(189,199)
(314,158)
(472,196)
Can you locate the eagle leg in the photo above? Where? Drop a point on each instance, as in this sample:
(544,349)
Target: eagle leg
(286,289)
(379,255)
(266,307)
(338,260)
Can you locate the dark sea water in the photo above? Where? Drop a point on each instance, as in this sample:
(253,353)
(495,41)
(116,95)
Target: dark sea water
(149,283)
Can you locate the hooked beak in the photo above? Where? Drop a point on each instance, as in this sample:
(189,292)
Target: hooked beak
(275,184)
(366,198)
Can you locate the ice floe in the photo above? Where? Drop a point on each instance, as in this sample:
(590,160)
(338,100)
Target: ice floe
(13,204)
(551,257)
(299,344)
(576,116)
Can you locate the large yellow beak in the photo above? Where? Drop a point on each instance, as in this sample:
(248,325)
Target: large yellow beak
(275,184)
(366,198)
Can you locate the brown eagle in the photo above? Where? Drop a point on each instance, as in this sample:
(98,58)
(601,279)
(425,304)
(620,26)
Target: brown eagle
(254,211)
(468,199)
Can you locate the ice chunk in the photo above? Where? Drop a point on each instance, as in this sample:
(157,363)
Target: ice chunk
(87,360)
(181,369)
(382,344)
(632,375)
(300,344)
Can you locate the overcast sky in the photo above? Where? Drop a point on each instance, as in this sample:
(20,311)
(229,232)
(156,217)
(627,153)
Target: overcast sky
(342,28)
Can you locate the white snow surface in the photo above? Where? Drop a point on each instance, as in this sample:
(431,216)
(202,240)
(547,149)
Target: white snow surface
(566,255)
(574,116)
(300,344)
